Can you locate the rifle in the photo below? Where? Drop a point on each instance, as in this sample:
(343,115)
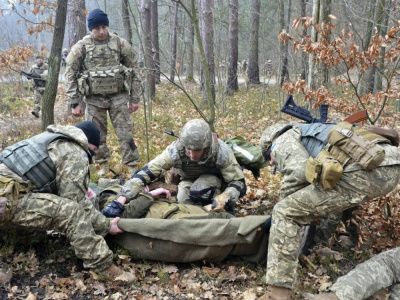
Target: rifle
(302,113)
(31,75)
(171,133)
(357,117)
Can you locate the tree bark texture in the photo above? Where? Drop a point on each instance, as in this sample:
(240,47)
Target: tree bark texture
(174,44)
(126,21)
(76,20)
(155,40)
(254,70)
(148,55)
(285,69)
(304,61)
(50,92)
(312,71)
(232,84)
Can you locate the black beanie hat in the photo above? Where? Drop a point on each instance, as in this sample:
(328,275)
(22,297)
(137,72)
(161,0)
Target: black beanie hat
(91,131)
(96,18)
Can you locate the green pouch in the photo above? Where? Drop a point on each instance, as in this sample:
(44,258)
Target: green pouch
(358,143)
(331,170)
(247,154)
(313,170)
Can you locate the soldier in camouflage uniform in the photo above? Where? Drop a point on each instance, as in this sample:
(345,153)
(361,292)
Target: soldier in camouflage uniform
(40,68)
(205,164)
(102,68)
(303,203)
(380,272)
(43,182)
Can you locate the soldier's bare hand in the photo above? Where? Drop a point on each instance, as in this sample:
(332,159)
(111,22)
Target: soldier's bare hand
(161,192)
(114,229)
(77,111)
(133,107)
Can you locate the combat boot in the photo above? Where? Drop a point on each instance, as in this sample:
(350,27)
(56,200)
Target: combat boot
(104,169)
(116,275)
(323,296)
(276,293)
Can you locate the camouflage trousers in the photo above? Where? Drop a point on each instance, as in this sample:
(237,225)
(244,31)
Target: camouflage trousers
(380,272)
(37,99)
(41,212)
(308,205)
(123,126)
(203,188)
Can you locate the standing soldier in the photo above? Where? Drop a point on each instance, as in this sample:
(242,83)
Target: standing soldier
(43,183)
(64,57)
(102,68)
(40,68)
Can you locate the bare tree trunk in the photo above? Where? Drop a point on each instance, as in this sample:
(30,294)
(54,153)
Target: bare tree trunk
(126,21)
(76,20)
(155,40)
(254,71)
(312,72)
(148,55)
(207,11)
(232,84)
(285,71)
(174,44)
(50,92)
(190,47)
(325,10)
(304,62)
(382,29)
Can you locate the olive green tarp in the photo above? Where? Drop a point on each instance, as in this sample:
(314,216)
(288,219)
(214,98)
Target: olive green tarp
(189,240)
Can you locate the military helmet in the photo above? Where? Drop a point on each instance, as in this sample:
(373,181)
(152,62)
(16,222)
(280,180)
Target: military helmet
(269,135)
(196,135)
(65,50)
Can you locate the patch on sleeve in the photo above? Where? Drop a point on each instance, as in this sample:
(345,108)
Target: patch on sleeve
(74,51)
(85,156)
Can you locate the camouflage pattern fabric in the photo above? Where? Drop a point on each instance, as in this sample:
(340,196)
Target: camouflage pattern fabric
(379,272)
(37,99)
(114,104)
(229,170)
(123,126)
(303,203)
(196,135)
(69,211)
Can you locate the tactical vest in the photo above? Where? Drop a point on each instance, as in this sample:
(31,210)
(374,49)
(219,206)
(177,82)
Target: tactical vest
(103,71)
(39,70)
(192,170)
(30,160)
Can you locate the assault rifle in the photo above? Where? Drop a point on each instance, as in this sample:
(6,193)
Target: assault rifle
(302,113)
(171,133)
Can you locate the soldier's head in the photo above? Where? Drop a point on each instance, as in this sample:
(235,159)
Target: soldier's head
(98,24)
(92,134)
(268,137)
(196,137)
(65,51)
(39,60)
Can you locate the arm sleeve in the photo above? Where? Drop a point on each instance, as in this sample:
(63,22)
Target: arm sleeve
(234,177)
(74,64)
(72,167)
(129,60)
(290,157)
(147,174)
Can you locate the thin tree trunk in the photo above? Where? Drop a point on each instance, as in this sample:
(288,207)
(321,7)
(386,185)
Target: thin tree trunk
(155,40)
(126,21)
(148,55)
(323,72)
(174,44)
(232,84)
(190,64)
(76,20)
(382,29)
(285,71)
(50,92)
(254,71)
(312,72)
(304,62)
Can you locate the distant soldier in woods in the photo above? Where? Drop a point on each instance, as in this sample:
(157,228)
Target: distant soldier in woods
(39,68)
(107,77)
(268,67)
(64,55)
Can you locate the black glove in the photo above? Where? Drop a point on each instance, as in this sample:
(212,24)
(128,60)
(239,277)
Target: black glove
(114,209)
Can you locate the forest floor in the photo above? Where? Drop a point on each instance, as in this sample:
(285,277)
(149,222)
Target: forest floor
(44,266)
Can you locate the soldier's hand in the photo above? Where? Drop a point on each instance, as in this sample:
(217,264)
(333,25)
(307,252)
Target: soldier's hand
(133,107)
(161,192)
(114,229)
(220,202)
(207,207)
(77,111)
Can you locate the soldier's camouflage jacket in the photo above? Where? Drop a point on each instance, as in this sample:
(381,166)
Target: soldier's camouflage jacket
(89,55)
(217,159)
(72,172)
(39,70)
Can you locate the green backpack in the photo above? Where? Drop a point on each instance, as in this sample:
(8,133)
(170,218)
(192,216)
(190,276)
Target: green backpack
(248,155)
